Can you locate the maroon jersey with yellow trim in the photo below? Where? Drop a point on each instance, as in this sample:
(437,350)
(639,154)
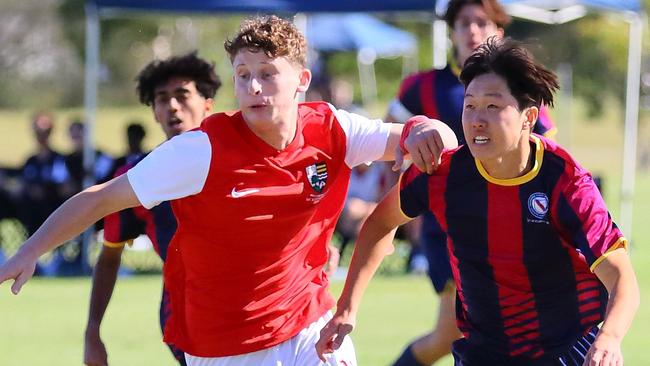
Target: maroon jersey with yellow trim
(521,249)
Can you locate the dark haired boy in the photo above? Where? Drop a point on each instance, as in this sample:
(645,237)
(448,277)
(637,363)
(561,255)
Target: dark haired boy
(534,251)
(180,91)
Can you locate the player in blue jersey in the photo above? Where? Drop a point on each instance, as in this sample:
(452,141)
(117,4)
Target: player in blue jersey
(180,91)
(536,259)
(439,94)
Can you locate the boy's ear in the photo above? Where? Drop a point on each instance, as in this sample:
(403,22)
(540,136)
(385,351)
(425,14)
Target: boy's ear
(209,103)
(531,114)
(305,80)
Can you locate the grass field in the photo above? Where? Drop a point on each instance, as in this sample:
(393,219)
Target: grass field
(44,324)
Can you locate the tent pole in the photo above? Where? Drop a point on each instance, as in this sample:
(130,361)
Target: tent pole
(439,29)
(631,122)
(90,103)
(366,64)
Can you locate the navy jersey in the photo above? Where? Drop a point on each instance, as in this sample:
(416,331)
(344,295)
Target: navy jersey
(158,223)
(439,94)
(522,250)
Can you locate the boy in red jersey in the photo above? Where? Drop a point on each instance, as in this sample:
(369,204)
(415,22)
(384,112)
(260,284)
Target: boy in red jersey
(256,194)
(534,252)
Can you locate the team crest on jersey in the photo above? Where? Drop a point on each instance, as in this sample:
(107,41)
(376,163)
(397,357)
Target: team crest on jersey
(317,176)
(538,205)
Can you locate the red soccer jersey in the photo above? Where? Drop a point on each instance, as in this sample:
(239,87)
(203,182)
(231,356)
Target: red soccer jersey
(245,267)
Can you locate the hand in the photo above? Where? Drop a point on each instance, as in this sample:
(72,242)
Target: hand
(20,268)
(425,142)
(333,260)
(400,161)
(333,333)
(94,349)
(605,351)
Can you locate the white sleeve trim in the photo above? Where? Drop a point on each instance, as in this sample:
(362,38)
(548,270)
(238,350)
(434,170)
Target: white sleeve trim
(178,168)
(397,110)
(366,138)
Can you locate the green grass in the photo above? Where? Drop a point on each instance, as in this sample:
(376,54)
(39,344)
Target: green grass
(44,324)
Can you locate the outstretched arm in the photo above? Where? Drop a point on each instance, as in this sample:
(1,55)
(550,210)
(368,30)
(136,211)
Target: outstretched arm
(68,221)
(374,243)
(617,274)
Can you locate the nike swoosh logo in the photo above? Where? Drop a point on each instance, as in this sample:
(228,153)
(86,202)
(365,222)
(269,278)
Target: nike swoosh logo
(244,192)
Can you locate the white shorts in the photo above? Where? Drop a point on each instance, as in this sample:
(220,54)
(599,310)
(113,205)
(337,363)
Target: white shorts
(297,351)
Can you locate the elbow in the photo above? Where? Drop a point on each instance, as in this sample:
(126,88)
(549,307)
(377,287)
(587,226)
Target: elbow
(628,288)
(96,202)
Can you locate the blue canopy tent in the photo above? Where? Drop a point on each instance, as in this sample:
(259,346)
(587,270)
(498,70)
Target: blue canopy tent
(256,6)
(366,35)
(356,31)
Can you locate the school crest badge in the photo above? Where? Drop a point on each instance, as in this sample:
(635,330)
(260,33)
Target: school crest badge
(538,205)
(317,176)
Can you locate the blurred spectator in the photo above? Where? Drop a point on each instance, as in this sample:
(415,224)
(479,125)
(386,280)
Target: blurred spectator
(75,161)
(342,93)
(7,208)
(69,260)
(44,175)
(44,184)
(7,203)
(135,134)
(319,88)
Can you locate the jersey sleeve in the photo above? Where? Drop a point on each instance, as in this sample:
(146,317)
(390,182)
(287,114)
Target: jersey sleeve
(585,222)
(545,125)
(366,138)
(121,227)
(414,192)
(178,168)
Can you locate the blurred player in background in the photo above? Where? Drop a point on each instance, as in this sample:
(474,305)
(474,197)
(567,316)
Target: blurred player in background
(180,91)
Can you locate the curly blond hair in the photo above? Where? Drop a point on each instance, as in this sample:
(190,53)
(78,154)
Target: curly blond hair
(274,36)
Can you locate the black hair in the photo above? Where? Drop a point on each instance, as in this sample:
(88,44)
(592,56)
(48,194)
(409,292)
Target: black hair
(530,82)
(189,65)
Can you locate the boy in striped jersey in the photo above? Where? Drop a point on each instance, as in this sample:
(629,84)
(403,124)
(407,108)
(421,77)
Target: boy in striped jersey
(534,252)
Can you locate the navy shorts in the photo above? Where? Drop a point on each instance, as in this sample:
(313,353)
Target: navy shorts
(468,355)
(434,244)
(165,312)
